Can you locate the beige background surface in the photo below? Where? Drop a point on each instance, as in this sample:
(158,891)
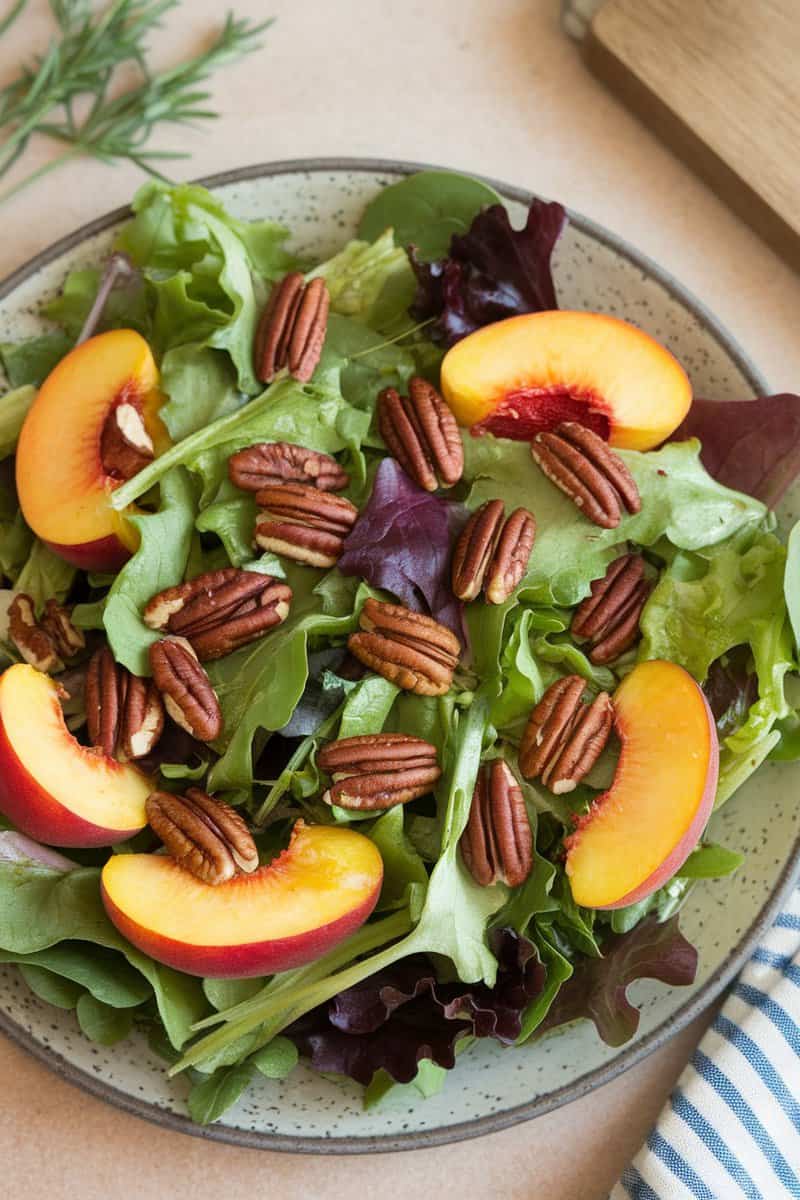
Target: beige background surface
(487,85)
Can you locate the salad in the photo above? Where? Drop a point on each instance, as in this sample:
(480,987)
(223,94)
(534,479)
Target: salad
(378,640)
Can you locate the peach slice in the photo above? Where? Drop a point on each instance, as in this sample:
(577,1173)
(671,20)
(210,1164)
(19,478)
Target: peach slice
(319,890)
(637,835)
(526,374)
(51,787)
(62,484)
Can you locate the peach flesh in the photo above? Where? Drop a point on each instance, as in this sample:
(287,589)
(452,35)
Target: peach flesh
(51,787)
(63,487)
(640,832)
(319,890)
(552,366)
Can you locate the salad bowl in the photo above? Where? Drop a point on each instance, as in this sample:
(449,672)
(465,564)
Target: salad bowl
(321,202)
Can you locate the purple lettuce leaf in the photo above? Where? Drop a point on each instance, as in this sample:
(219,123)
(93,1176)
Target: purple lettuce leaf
(731,688)
(402,542)
(750,445)
(401,1015)
(597,988)
(493,271)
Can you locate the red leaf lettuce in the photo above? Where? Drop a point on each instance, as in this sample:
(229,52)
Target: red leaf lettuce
(401,1015)
(597,988)
(750,445)
(402,542)
(493,271)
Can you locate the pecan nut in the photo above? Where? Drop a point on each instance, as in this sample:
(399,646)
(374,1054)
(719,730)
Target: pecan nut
(609,617)
(377,771)
(291,332)
(422,434)
(492,553)
(586,469)
(220,611)
(57,622)
(203,834)
(47,643)
(565,737)
(281,462)
(497,843)
(188,695)
(303,523)
(407,648)
(125,445)
(124,713)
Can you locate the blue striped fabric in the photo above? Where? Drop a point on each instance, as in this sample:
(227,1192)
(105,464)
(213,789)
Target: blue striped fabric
(731,1128)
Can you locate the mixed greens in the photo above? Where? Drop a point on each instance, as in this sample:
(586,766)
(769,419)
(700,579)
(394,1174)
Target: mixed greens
(442,961)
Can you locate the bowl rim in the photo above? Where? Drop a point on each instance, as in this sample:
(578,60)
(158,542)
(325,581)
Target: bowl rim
(700,1000)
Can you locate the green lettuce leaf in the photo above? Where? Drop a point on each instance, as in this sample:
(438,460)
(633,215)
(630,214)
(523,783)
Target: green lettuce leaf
(680,501)
(369,280)
(13,411)
(199,262)
(708,602)
(200,387)
(29,362)
(45,575)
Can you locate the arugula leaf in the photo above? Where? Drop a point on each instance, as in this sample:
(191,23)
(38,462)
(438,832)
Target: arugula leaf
(679,501)
(159,563)
(402,865)
(427,208)
(367,706)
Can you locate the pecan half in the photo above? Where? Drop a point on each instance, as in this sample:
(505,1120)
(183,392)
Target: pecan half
(33,641)
(57,622)
(204,835)
(125,445)
(609,617)
(378,770)
(291,332)
(124,713)
(188,695)
(281,462)
(220,611)
(303,523)
(492,553)
(422,434)
(587,470)
(497,843)
(407,648)
(565,737)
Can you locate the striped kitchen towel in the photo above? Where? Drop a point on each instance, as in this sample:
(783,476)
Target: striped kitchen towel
(732,1126)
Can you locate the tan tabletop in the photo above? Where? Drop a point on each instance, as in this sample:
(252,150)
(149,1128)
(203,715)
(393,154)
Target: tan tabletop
(485,85)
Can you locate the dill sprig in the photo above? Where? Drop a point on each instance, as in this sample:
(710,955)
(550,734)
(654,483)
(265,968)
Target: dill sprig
(68,92)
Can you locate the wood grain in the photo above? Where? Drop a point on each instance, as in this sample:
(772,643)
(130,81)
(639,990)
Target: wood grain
(718,80)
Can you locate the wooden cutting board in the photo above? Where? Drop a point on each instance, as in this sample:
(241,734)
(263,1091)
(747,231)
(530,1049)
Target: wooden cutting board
(719,81)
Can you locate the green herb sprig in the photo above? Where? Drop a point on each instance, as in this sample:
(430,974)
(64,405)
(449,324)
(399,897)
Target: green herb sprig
(69,92)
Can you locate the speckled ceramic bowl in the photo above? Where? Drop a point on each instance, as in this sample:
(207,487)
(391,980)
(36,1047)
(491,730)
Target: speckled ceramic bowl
(321,201)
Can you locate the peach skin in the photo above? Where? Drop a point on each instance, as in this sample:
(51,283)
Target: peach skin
(526,374)
(51,787)
(62,483)
(289,912)
(641,831)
